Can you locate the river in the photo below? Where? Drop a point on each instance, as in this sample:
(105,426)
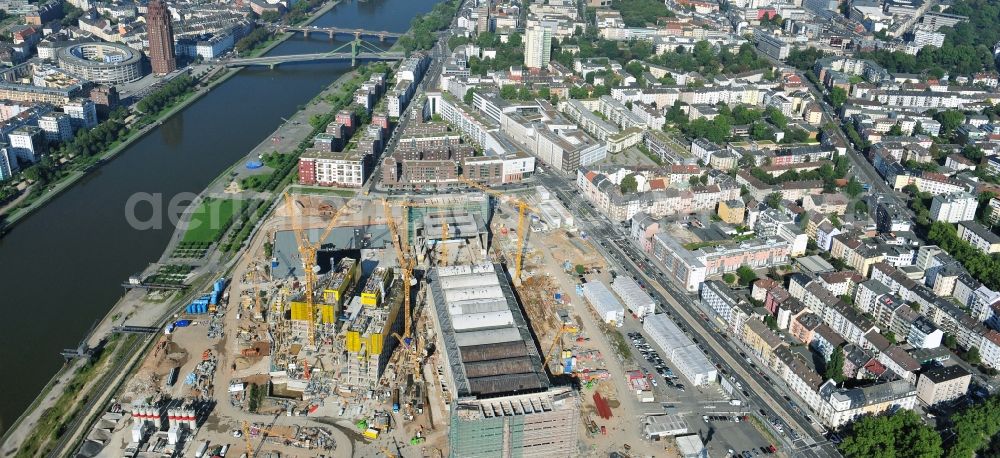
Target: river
(63,265)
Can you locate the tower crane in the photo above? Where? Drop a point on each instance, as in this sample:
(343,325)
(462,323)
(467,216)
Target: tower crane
(444,242)
(307,251)
(522,208)
(406,263)
(258,311)
(264,432)
(407,260)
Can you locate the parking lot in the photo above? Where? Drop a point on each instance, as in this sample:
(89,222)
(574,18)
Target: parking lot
(707,409)
(725,436)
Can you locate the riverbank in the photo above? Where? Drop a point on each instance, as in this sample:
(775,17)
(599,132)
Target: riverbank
(10,219)
(59,382)
(37,425)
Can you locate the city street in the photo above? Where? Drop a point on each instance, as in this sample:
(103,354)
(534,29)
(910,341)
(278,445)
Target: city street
(810,442)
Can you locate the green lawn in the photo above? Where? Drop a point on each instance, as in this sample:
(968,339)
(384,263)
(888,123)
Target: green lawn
(210,220)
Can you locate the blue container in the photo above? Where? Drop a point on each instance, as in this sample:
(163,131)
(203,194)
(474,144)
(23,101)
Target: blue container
(182,323)
(558,296)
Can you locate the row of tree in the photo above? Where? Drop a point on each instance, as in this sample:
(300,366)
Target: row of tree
(639,13)
(984,267)
(902,434)
(423,27)
(254,39)
(166,95)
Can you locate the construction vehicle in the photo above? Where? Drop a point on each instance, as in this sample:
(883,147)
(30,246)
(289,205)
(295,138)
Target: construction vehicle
(557,340)
(307,251)
(522,208)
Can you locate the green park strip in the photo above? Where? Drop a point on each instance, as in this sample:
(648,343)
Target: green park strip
(210,220)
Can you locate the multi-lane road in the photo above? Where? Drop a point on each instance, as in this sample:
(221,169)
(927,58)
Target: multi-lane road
(616,246)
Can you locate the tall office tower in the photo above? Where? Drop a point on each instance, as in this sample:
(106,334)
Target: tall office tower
(161,38)
(537,46)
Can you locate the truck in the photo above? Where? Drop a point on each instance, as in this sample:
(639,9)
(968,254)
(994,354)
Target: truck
(395,400)
(172,377)
(201,450)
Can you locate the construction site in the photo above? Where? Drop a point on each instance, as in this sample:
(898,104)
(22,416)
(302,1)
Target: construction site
(421,326)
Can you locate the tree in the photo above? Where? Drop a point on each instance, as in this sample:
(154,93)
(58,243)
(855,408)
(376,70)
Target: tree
(973,357)
(771,322)
(746,275)
(629,184)
(835,366)
(467,98)
(728,278)
(508,92)
(270,16)
(580,269)
(694,180)
(950,341)
(860,208)
(973,428)
(853,188)
(838,96)
(895,131)
(777,117)
(950,120)
(900,434)
(773,200)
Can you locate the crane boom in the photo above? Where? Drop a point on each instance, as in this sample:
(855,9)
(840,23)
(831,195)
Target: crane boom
(552,347)
(405,265)
(522,209)
(307,251)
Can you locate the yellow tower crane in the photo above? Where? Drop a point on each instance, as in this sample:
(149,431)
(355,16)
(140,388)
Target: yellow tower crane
(444,242)
(258,310)
(406,263)
(522,208)
(407,260)
(264,433)
(307,251)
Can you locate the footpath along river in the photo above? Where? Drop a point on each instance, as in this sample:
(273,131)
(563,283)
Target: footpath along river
(63,264)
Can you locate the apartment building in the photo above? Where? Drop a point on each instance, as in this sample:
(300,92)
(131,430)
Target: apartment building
(347,169)
(954,207)
(843,406)
(943,384)
(979,236)
(730,307)
(690,268)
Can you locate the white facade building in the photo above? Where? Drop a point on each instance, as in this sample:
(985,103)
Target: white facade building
(607,307)
(685,355)
(8,164)
(537,46)
(954,207)
(58,127)
(637,301)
